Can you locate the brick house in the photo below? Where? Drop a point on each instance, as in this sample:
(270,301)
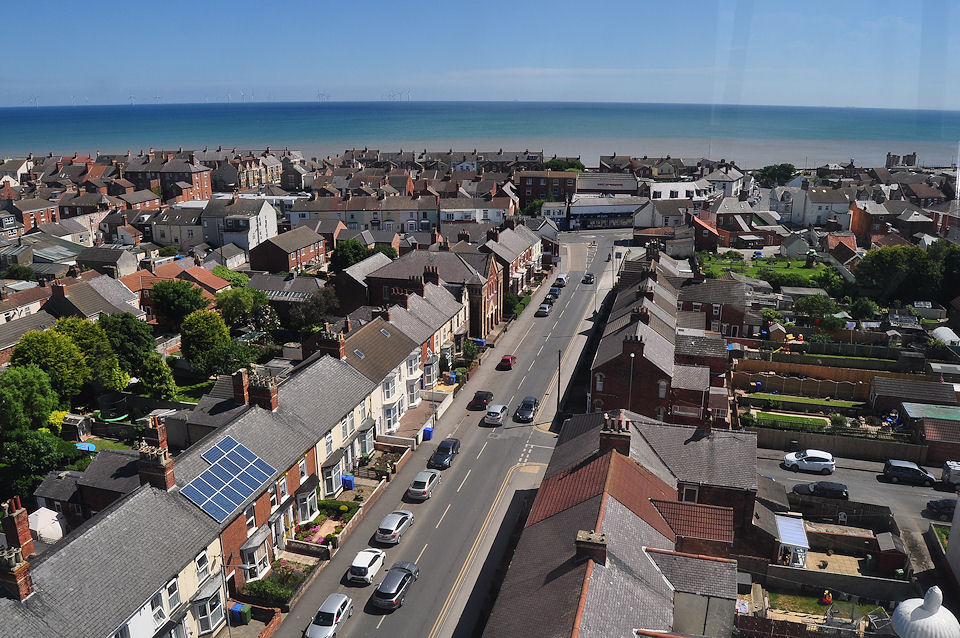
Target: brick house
(33,212)
(178,179)
(551,186)
(293,250)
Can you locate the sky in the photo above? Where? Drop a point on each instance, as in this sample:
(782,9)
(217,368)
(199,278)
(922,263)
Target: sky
(885,54)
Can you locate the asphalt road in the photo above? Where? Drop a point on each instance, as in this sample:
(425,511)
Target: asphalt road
(454,530)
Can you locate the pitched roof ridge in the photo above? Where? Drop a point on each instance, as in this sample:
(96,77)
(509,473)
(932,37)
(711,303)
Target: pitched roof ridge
(671,552)
(689,504)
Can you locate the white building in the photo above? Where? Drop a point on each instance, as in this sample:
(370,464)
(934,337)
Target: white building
(244,222)
(696,190)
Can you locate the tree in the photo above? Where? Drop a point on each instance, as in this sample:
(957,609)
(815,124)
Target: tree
(470,350)
(58,356)
(225,358)
(175,299)
(264,318)
(904,272)
(533,208)
(237,305)
(386,250)
(776,174)
(19,271)
(26,398)
(510,301)
(157,378)
(557,164)
(315,310)
(131,340)
(816,306)
(347,253)
(771,316)
(104,366)
(236,279)
(27,457)
(168,251)
(863,308)
(201,332)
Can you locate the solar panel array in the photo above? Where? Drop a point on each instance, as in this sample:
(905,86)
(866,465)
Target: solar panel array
(234,475)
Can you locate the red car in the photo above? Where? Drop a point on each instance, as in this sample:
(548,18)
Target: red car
(507,362)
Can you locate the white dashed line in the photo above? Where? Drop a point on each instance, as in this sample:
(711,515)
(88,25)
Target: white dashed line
(464,480)
(441,519)
(483,448)
(421,552)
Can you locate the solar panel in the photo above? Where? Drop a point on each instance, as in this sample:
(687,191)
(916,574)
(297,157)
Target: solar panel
(235,474)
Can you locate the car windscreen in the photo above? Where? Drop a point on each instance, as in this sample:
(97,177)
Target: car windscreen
(324,619)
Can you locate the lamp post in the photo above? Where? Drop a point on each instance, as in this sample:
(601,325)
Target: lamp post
(630,387)
(559,362)
(223,577)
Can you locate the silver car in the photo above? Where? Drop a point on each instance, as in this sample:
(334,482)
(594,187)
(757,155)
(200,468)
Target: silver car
(423,483)
(391,593)
(393,526)
(331,616)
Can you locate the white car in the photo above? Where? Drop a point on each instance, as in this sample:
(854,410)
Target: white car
(495,414)
(810,461)
(366,565)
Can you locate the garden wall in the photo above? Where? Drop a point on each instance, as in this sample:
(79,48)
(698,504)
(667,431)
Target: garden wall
(823,372)
(796,579)
(837,361)
(843,446)
(801,386)
(798,406)
(443,399)
(877,518)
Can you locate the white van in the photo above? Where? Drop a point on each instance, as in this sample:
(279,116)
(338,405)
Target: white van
(951,473)
(562,279)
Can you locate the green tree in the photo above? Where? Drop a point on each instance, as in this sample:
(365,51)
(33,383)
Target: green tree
(863,308)
(557,164)
(175,299)
(157,378)
(58,356)
(104,366)
(26,398)
(225,358)
(771,316)
(316,309)
(386,250)
(470,350)
(131,340)
(236,279)
(201,332)
(237,305)
(27,457)
(347,253)
(903,272)
(776,174)
(19,271)
(168,251)
(816,306)
(830,322)
(264,318)
(510,301)
(533,208)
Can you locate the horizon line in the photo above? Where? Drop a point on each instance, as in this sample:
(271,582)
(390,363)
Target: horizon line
(571,102)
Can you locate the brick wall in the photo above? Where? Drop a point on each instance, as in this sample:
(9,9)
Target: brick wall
(740,500)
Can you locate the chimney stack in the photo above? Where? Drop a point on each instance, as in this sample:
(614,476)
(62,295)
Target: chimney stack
(493,234)
(431,275)
(263,392)
(463,236)
(16,526)
(156,466)
(15,573)
(58,289)
(592,545)
(241,386)
(615,434)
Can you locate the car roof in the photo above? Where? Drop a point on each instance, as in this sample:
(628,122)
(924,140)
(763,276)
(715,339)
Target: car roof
(450,441)
(332,603)
(496,407)
(831,485)
(817,453)
(405,564)
(392,580)
(362,558)
(394,517)
(529,399)
(897,463)
(424,475)
(483,393)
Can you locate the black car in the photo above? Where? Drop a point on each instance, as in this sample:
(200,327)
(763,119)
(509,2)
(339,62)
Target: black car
(907,472)
(527,409)
(825,489)
(555,292)
(550,298)
(480,400)
(443,457)
(942,508)
(393,589)
(588,278)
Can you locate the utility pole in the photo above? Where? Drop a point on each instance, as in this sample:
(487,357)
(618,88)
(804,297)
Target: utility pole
(630,387)
(559,362)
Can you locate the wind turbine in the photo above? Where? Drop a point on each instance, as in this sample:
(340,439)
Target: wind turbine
(133,102)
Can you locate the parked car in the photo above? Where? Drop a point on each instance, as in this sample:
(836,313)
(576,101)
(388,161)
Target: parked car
(527,409)
(423,484)
(550,298)
(443,457)
(942,508)
(543,310)
(393,526)
(391,593)
(507,362)
(555,292)
(588,278)
(331,616)
(951,473)
(907,472)
(561,280)
(495,414)
(480,400)
(810,461)
(826,489)
(366,565)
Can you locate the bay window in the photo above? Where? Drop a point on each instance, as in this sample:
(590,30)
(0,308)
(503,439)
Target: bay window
(331,480)
(209,613)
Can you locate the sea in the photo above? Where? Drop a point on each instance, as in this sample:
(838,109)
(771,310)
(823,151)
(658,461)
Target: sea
(752,136)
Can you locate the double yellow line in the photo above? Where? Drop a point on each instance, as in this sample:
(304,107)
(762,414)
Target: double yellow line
(434,632)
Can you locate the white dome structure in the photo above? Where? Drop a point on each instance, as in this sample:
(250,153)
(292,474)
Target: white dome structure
(926,618)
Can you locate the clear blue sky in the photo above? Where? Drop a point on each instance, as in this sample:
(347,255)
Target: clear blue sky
(840,53)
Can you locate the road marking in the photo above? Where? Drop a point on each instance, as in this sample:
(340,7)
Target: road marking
(546,447)
(442,515)
(463,481)
(476,544)
(483,448)
(421,552)
(382,618)
(540,350)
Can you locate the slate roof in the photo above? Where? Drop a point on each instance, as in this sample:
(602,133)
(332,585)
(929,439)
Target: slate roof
(97,255)
(113,470)
(715,577)
(243,207)
(285,287)
(821,195)
(690,377)
(452,266)
(700,346)
(914,390)
(381,353)
(720,291)
(361,269)
(83,300)
(60,485)
(11,331)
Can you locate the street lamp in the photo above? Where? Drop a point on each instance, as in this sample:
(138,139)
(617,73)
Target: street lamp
(630,387)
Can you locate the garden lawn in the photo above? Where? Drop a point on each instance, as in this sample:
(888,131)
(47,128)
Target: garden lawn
(837,403)
(797,266)
(190,388)
(810,605)
(791,418)
(107,444)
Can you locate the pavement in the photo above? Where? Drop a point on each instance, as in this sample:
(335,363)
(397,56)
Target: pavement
(459,535)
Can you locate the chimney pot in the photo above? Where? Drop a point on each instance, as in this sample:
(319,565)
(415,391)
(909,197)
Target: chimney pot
(593,545)
(156,467)
(16,526)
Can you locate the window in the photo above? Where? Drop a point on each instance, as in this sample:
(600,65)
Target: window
(351,422)
(715,326)
(598,383)
(343,429)
(173,594)
(157,609)
(696,306)
(123,632)
(259,561)
(569,182)
(655,195)
(203,566)
(716,309)
(282,487)
(272,490)
(390,417)
(674,194)
(689,494)
(209,614)
(331,479)
(389,387)
(302,466)
(251,518)
(328,443)
(662,389)
(724,328)
(529,182)
(543,182)
(529,192)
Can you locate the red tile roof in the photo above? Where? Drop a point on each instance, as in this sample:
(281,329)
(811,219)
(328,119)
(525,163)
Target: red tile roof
(205,278)
(693,520)
(941,430)
(834,239)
